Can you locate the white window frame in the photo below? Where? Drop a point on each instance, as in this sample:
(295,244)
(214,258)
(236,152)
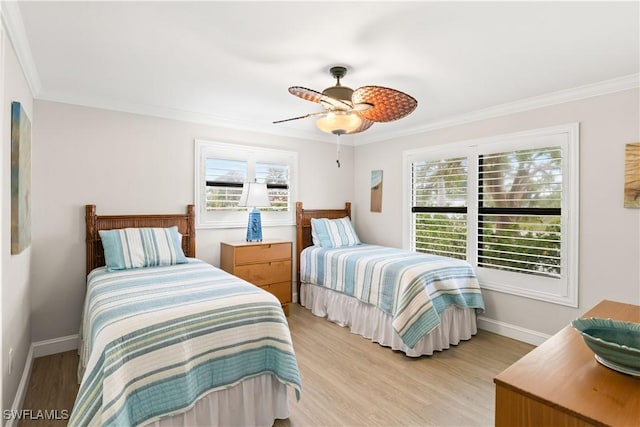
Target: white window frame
(562,291)
(238,218)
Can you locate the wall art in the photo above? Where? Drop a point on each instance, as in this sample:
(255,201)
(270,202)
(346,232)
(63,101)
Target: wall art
(20,179)
(376,191)
(632,175)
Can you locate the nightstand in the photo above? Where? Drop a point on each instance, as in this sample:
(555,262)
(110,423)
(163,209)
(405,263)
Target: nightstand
(266,264)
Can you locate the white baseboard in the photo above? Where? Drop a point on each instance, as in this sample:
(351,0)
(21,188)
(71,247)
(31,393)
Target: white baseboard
(38,349)
(21,393)
(512,331)
(55,345)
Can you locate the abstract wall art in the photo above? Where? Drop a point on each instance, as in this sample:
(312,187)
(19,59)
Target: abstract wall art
(20,179)
(632,175)
(376,191)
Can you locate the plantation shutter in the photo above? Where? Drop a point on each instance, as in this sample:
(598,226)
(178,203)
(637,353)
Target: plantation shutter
(224,181)
(439,206)
(519,211)
(276,176)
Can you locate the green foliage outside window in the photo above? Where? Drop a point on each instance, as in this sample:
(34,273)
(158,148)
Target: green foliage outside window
(520,227)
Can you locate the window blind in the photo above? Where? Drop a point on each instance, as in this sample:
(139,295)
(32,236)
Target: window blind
(224,180)
(519,211)
(439,204)
(276,176)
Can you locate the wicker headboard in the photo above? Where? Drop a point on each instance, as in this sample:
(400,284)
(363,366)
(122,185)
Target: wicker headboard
(303,228)
(94,223)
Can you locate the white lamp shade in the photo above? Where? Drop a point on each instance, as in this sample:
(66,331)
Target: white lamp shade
(255,195)
(339,122)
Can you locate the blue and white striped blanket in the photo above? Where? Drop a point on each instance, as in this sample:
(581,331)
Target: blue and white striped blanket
(154,340)
(413,288)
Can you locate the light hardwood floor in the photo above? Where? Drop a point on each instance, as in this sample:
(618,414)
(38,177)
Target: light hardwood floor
(349,381)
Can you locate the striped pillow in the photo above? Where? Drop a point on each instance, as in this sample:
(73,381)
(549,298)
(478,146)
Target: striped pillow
(141,247)
(333,233)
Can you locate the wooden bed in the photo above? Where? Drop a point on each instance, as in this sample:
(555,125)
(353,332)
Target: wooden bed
(186,224)
(456,322)
(303,229)
(255,398)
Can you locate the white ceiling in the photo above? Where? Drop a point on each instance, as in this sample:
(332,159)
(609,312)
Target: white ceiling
(230,63)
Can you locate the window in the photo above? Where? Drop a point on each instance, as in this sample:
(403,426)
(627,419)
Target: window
(276,176)
(439,205)
(519,211)
(221,169)
(224,179)
(507,204)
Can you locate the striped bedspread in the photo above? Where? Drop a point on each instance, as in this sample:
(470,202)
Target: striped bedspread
(154,340)
(411,287)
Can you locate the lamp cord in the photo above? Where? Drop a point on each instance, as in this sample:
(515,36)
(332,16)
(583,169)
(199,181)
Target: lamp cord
(338,149)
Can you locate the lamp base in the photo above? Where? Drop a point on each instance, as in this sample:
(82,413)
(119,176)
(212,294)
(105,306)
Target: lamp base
(254,228)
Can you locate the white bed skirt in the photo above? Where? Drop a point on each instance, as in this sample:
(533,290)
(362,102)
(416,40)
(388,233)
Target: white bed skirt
(456,324)
(256,401)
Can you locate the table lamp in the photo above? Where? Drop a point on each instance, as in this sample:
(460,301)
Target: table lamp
(257,196)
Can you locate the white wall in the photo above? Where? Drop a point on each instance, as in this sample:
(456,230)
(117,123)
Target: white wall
(124,164)
(2,162)
(16,269)
(609,234)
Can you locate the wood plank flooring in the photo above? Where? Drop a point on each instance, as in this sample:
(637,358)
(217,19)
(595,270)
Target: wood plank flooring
(52,387)
(347,380)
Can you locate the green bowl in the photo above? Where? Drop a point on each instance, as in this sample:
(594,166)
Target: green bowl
(615,343)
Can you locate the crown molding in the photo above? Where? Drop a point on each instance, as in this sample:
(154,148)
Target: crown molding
(187,116)
(605,87)
(12,22)
(619,84)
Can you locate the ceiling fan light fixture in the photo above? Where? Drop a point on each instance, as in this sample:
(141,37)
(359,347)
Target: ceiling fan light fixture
(346,110)
(339,122)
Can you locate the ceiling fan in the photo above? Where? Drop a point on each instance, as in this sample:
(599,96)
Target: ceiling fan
(348,111)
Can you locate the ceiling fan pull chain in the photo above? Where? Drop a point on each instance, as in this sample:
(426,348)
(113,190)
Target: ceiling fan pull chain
(338,149)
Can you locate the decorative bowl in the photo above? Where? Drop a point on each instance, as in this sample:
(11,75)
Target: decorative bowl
(616,343)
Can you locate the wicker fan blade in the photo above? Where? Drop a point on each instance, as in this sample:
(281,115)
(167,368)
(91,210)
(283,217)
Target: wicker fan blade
(306,94)
(301,117)
(387,104)
(315,96)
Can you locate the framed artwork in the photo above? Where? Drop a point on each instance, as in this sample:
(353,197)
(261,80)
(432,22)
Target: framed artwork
(632,175)
(20,179)
(376,191)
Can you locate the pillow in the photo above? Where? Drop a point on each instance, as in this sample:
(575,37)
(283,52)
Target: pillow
(333,233)
(127,248)
(314,234)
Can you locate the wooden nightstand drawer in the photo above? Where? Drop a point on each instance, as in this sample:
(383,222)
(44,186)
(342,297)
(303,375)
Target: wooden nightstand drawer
(252,254)
(265,273)
(265,264)
(281,290)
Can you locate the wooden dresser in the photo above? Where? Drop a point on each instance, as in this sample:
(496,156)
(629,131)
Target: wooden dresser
(560,383)
(266,264)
